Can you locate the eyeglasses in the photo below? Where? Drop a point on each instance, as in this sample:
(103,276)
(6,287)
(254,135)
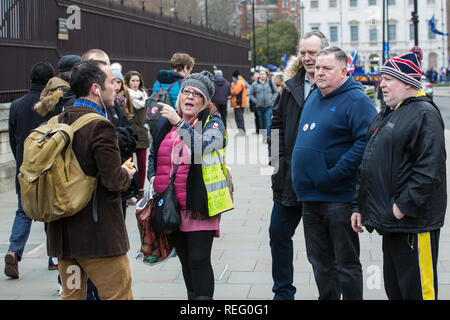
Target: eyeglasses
(188,92)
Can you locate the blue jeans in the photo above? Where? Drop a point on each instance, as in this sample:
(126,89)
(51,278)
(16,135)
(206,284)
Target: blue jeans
(283,222)
(20,231)
(265,118)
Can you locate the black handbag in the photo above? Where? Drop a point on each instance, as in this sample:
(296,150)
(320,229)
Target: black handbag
(165,216)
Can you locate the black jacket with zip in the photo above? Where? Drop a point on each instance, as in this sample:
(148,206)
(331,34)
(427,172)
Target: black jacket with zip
(284,126)
(404,163)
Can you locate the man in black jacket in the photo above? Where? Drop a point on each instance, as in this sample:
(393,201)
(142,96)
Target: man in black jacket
(287,212)
(23,119)
(402,189)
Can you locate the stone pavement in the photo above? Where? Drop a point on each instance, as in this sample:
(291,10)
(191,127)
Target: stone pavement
(241,256)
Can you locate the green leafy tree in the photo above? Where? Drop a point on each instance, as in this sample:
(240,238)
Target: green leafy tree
(283,38)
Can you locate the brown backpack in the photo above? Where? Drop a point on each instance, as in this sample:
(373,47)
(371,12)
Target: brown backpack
(52,183)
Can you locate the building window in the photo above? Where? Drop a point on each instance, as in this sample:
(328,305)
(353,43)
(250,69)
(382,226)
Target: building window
(284,4)
(332,4)
(353,3)
(294,19)
(431,2)
(314,4)
(315,28)
(293,4)
(391,2)
(333,34)
(373,35)
(354,33)
(372,3)
(392,32)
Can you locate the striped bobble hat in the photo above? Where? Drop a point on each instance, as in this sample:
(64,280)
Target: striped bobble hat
(406,68)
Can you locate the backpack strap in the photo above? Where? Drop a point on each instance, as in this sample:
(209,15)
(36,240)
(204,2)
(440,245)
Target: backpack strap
(53,120)
(160,87)
(85,119)
(167,89)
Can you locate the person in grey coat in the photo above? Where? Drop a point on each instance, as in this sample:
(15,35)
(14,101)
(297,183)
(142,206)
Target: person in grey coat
(263,94)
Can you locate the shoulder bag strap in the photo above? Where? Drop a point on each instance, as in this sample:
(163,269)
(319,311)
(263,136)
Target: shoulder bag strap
(172,178)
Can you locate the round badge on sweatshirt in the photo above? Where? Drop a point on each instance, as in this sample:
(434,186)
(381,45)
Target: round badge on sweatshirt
(313,126)
(305,127)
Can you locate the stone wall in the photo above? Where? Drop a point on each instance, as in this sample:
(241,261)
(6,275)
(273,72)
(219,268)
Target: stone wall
(7,162)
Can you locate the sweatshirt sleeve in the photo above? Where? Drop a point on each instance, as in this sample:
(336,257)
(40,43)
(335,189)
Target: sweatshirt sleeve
(359,117)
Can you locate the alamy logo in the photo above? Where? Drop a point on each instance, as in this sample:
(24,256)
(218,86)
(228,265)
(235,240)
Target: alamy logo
(373,281)
(74,20)
(74,280)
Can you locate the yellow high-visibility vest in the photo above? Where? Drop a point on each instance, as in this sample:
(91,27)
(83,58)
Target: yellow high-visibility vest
(215,178)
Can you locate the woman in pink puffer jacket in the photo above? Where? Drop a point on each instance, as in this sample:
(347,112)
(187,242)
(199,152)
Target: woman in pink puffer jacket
(176,141)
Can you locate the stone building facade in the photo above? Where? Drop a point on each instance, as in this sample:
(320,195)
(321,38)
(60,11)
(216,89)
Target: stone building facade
(358,24)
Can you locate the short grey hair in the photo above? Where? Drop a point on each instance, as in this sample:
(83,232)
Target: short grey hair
(323,39)
(339,54)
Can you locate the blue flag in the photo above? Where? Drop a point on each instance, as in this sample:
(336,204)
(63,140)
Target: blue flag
(272,67)
(433,27)
(285,61)
(387,48)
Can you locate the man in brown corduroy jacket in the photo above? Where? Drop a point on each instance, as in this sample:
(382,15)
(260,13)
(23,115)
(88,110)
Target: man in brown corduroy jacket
(86,247)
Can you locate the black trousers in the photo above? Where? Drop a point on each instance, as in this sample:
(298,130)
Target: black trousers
(239,118)
(333,250)
(223,112)
(410,265)
(194,251)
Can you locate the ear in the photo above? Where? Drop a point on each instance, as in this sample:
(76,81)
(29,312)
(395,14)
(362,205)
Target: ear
(187,70)
(95,89)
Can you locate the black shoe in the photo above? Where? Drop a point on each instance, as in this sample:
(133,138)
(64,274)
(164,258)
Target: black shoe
(11,265)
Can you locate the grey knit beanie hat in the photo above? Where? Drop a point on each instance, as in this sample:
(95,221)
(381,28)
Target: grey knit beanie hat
(203,81)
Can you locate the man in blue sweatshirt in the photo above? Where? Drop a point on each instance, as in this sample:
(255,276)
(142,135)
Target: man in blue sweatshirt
(328,150)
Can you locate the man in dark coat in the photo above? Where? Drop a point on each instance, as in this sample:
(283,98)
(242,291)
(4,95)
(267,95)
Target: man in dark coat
(57,94)
(403,184)
(287,212)
(22,119)
(221,94)
(94,249)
